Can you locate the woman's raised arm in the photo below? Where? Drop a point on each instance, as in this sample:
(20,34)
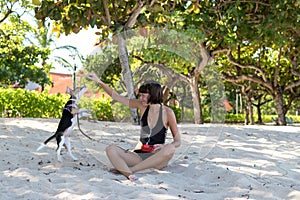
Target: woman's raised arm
(132,103)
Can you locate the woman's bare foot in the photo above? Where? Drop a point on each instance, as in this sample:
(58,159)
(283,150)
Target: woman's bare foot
(132,178)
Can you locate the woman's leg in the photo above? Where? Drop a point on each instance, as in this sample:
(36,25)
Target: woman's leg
(122,159)
(158,160)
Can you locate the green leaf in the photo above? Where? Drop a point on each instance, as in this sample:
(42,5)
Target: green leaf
(36,2)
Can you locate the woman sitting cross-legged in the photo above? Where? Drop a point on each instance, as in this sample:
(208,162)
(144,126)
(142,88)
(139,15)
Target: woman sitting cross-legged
(151,151)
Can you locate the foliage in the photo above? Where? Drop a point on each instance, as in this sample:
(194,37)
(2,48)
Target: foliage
(268,24)
(105,64)
(100,107)
(120,112)
(20,62)
(109,16)
(24,103)
(9,8)
(26,50)
(234,118)
(217,25)
(240,118)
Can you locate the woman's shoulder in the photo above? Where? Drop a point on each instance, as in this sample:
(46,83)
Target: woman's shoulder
(169,115)
(168,110)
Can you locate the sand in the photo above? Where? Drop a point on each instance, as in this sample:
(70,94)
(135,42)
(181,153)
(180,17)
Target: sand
(214,162)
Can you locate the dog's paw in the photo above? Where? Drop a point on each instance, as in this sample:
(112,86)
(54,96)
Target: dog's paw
(84,112)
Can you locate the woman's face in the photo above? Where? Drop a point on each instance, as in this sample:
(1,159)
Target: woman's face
(144,97)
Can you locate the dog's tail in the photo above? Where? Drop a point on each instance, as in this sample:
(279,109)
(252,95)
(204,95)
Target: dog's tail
(45,143)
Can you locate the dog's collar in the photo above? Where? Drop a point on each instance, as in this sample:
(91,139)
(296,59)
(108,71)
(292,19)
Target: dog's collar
(70,106)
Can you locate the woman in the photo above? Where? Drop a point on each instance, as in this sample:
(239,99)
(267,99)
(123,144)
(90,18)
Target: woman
(151,151)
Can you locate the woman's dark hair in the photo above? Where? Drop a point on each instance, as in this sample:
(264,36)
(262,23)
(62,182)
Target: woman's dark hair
(154,89)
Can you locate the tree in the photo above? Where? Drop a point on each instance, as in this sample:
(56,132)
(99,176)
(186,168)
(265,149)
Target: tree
(115,18)
(225,24)
(276,39)
(173,53)
(269,23)
(18,61)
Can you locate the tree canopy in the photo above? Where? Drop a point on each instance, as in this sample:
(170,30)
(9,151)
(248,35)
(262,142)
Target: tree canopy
(255,43)
(19,60)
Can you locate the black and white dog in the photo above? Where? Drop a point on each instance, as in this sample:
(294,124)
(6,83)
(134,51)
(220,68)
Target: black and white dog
(70,113)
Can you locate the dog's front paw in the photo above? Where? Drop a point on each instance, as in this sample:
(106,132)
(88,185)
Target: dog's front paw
(83,112)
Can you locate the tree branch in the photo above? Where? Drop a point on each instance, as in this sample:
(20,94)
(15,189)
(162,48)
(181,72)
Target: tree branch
(135,14)
(169,71)
(215,52)
(247,78)
(9,11)
(107,14)
(232,61)
(294,65)
(245,1)
(276,74)
(292,85)
(203,60)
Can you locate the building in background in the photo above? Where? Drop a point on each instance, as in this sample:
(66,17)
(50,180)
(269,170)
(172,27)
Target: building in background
(60,82)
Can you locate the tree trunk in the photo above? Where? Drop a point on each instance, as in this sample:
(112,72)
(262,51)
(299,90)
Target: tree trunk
(196,101)
(127,75)
(249,109)
(250,112)
(166,92)
(246,116)
(167,88)
(181,102)
(259,118)
(280,107)
(261,100)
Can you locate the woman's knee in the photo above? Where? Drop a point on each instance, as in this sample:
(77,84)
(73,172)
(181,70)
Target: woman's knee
(110,149)
(168,150)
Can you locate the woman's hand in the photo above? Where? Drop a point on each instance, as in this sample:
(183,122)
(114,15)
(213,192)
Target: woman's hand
(158,147)
(92,76)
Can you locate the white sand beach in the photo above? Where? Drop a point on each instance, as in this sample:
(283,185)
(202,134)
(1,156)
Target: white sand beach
(214,162)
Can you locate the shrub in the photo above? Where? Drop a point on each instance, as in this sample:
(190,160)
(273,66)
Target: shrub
(234,118)
(24,103)
(100,107)
(120,112)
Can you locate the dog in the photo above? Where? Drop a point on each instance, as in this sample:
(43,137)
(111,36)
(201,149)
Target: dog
(70,114)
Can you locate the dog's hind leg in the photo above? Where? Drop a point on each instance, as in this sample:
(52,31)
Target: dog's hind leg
(68,145)
(60,145)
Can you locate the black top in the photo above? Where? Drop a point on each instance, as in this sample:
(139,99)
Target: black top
(159,131)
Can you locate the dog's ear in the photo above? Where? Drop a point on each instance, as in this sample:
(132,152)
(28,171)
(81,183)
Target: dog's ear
(69,91)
